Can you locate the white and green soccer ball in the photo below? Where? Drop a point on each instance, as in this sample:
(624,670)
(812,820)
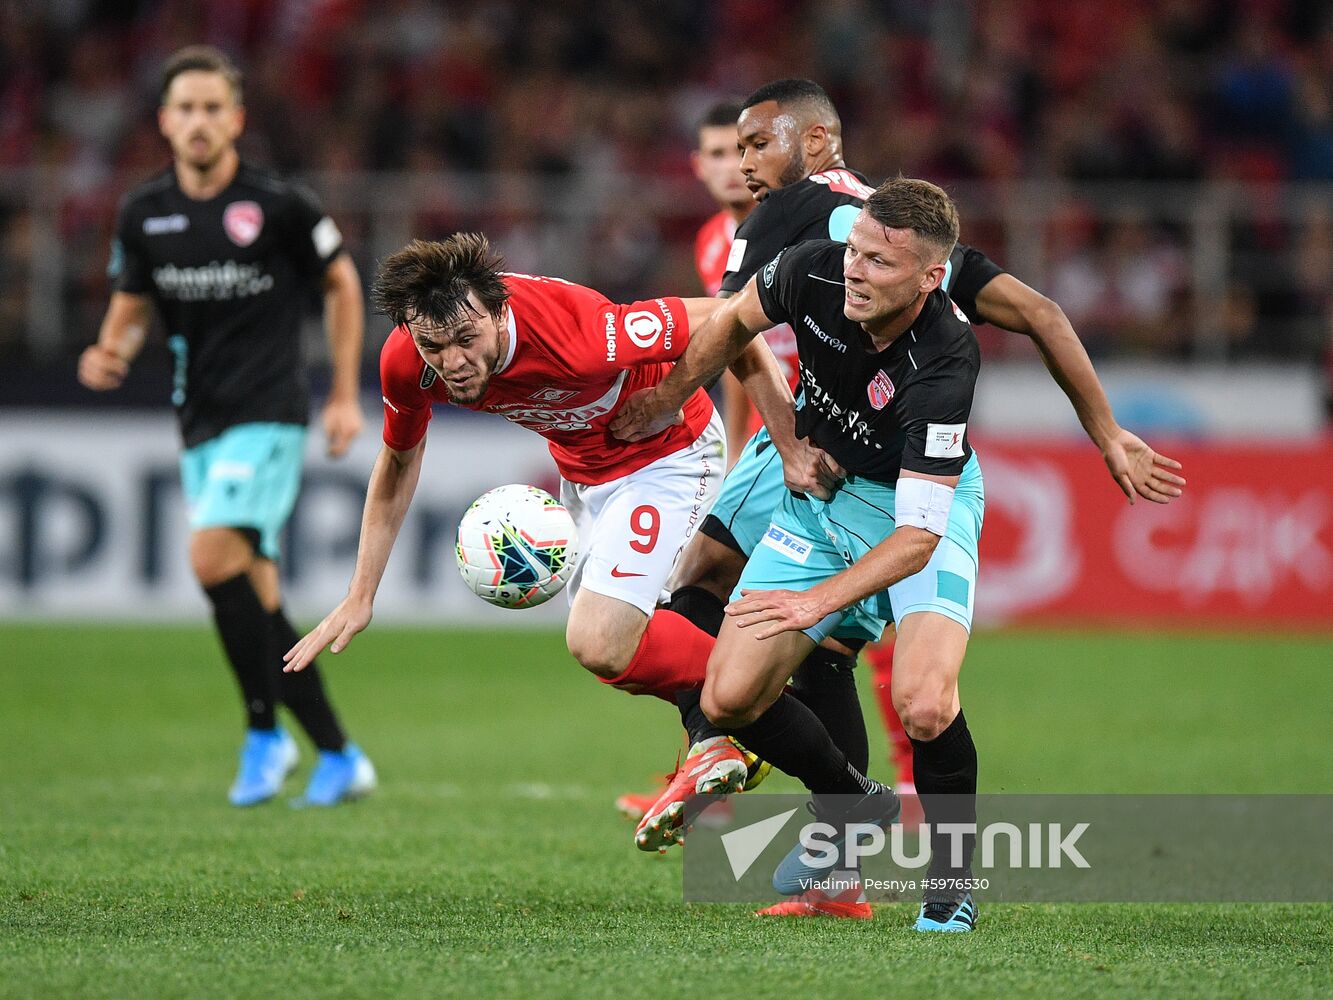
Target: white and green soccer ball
(516,546)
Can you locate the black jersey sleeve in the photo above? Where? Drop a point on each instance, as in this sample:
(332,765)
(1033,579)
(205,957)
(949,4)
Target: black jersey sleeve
(312,236)
(128,267)
(974,271)
(780,279)
(760,237)
(934,411)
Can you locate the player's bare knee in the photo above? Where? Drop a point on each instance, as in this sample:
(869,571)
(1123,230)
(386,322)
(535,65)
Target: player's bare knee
(216,556)
(596,653)
(730,708)
(926,716)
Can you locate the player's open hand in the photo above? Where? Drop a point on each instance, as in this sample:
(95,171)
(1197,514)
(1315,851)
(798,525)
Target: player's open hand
(807,469)
(642,417)
(342,423)
(102,369)
(335,631)
(1138,470)
(770,612)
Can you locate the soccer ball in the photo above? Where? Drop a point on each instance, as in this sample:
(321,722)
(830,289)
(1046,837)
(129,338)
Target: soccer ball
(516,546)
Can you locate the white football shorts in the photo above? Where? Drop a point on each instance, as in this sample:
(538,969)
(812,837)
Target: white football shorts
(632,530)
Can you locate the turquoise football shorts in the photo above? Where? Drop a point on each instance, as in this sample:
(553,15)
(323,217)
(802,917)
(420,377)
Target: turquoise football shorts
(808,541)
(246,477)
(751,492)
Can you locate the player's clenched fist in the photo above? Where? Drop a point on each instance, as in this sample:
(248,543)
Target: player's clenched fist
(101,368)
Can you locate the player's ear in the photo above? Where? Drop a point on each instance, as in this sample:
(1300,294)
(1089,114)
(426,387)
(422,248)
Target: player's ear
(934,277)
(816,139)
(238,122)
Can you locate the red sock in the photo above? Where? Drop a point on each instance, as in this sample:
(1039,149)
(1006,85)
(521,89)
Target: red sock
(880,656)
(672,656)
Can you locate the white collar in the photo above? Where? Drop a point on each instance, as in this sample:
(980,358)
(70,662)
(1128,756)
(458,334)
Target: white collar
(512,327)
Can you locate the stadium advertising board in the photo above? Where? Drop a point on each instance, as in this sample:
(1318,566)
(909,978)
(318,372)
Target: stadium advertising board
(1250,544)
(95,526)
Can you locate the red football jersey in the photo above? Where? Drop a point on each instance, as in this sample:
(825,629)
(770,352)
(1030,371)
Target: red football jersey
(712,246)
(573,357)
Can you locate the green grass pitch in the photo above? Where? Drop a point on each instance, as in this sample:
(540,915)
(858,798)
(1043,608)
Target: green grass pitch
(491,862)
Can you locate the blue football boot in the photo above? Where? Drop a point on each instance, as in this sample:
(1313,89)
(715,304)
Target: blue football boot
(267,757)
(339,776)
(949,910)
(880,808)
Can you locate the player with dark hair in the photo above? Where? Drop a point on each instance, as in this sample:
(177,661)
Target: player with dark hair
(227,253)
(559,359)
(716,163)
(788,127)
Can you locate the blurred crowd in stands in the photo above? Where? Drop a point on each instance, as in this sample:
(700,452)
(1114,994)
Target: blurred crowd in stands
(1076,95)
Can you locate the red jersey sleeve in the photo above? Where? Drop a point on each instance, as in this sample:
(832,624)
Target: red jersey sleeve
(407,406)
(646,332)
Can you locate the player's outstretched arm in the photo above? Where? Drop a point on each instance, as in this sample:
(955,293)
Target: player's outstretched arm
(1138,470)
(388,495)
(344,324)
(105,364)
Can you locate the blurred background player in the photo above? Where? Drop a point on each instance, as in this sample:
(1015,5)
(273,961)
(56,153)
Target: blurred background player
(227,253)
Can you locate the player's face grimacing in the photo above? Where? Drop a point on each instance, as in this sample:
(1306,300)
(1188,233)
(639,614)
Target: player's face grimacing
(465,354)
(717,163)
(200,118)
(771,153)
(884,272)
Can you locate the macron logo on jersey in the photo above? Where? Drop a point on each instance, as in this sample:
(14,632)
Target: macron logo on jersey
(944,440)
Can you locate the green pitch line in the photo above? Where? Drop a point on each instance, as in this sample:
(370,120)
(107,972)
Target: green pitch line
(491,862)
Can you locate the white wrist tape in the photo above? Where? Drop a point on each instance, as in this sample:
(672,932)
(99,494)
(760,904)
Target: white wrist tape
(922,503)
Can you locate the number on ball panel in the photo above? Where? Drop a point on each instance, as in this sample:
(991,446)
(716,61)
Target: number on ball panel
(516,546)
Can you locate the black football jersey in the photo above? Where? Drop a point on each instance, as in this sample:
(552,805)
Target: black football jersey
(874,412)
(231,277)
(821,207)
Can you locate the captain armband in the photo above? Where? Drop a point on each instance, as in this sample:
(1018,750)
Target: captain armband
(922,503)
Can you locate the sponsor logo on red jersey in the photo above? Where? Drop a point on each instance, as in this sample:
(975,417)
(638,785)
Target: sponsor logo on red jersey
(243,222)
(553,396)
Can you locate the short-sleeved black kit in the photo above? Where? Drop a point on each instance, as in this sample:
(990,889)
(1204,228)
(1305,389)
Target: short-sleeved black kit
(874,412)
(231,278)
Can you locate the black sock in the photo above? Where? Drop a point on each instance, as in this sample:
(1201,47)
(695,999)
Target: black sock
(243,626)
(703,608)
(697,726)
(303,692)
(791,737)
(700,606)
(826,684)
(945,771)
